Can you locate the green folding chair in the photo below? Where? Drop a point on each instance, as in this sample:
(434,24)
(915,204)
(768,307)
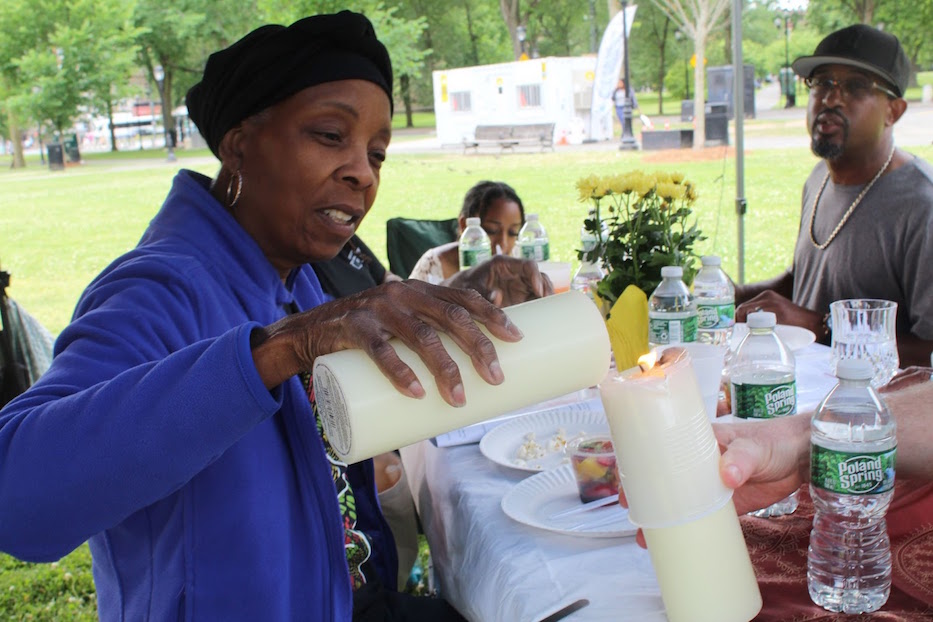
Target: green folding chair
(407,239)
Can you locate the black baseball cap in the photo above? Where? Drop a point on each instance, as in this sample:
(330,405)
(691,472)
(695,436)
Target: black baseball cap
(863,47)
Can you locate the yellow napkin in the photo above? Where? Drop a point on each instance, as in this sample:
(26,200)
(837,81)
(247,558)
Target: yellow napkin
(628,327)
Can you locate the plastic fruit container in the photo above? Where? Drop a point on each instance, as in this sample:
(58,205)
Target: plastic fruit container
(594,464)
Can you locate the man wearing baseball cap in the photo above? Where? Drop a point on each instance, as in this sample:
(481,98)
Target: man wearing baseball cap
(866,226)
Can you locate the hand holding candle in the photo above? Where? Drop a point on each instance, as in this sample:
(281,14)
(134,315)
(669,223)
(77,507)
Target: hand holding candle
(669,465)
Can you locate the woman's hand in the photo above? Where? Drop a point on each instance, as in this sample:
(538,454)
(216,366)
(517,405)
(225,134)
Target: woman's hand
(504,281)
(414,312)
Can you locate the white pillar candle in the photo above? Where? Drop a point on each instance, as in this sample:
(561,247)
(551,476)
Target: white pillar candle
(669,465)
(565,348)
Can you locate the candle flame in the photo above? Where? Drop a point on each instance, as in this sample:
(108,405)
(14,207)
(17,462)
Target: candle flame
(647,361)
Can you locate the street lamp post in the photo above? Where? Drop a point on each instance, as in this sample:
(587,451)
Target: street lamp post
(520,33)
(786,73)
(159,75)
(628,139)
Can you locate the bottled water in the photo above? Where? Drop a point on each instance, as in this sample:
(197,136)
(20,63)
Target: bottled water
(590,273)
(852,454)
(532,240)
(672,312)
(475,247)
(715,298)
(763,384)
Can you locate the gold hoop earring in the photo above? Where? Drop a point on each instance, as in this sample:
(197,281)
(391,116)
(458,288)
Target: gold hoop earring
(239,189)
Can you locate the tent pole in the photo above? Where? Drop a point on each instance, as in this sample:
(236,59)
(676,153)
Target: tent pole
(738,99)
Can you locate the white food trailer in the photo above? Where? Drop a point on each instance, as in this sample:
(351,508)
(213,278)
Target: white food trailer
(556,90)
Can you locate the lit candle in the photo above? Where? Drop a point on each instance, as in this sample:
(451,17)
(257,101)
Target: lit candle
(669,464)
(565,348)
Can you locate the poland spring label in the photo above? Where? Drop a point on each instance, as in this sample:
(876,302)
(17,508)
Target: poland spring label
(764,401)
(672,330)
(858,473)
(473,257)
(715,317)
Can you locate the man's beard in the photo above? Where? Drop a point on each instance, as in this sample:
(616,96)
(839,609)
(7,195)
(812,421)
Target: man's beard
(825,149)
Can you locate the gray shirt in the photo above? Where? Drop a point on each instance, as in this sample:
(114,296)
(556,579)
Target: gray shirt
(884,251)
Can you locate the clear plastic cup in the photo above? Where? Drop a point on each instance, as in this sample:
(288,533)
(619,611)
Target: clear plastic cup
(558,272)
(707,361)
(594,465)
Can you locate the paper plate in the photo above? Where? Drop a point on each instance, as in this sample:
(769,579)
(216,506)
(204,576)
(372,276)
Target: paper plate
(794,337)
(549,429)
(535,500)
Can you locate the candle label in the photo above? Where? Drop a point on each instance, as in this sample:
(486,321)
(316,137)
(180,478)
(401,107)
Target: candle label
(764,401)
(672,330)
(332,408)
(860,473)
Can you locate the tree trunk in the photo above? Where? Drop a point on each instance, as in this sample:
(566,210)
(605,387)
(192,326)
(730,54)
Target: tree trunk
(113,130)
(16,138)
(168,120)
(404,85)
(469,18)
(510,15)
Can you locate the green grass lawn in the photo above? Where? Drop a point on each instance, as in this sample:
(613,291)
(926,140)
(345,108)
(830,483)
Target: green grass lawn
(61,228)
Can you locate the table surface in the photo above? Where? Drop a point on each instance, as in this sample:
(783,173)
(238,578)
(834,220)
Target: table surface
(493,568)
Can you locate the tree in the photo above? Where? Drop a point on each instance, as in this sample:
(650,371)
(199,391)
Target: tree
(697,18)
(179,37)
(62,55)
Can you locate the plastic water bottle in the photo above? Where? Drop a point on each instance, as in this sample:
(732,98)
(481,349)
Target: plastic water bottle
(852,454)
(715,298)
(532,240)
(590,273)
(672,312)
(475,247)
(763,384)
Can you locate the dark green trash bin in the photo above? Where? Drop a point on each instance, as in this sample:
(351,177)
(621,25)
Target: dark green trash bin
(56,156)
(71,148)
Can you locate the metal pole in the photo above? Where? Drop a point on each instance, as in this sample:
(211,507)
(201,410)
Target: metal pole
(628,139)
(738,97)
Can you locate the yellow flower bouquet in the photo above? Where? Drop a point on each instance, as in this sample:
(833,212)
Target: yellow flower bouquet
(641,222)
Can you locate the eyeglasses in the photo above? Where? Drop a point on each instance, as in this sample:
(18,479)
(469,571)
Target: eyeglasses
(850,89)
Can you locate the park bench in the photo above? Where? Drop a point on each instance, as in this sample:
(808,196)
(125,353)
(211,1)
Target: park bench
(511,136)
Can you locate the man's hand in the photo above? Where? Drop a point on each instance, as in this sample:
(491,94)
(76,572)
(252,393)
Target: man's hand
(504,281)
(763,461)
(785,310)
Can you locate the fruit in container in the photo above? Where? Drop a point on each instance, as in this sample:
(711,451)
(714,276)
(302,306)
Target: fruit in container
(594,464)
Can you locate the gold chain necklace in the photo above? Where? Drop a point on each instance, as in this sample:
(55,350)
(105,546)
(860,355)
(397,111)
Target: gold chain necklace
(845,217)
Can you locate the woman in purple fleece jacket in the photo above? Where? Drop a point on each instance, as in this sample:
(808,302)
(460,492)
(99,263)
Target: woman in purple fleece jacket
(173,429)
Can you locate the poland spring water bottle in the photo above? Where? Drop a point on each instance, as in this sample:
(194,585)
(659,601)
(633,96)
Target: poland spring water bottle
(590,273)
(532,240)
(672,312)
(475,247)
(715,298)
(762,375)
(852,451)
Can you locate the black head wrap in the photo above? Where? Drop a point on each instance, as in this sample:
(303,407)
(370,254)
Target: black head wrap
(273,62)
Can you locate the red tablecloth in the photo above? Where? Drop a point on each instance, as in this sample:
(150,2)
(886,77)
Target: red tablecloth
(778,548)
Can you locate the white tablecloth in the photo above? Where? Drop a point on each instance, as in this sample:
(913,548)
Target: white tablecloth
(494,569)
